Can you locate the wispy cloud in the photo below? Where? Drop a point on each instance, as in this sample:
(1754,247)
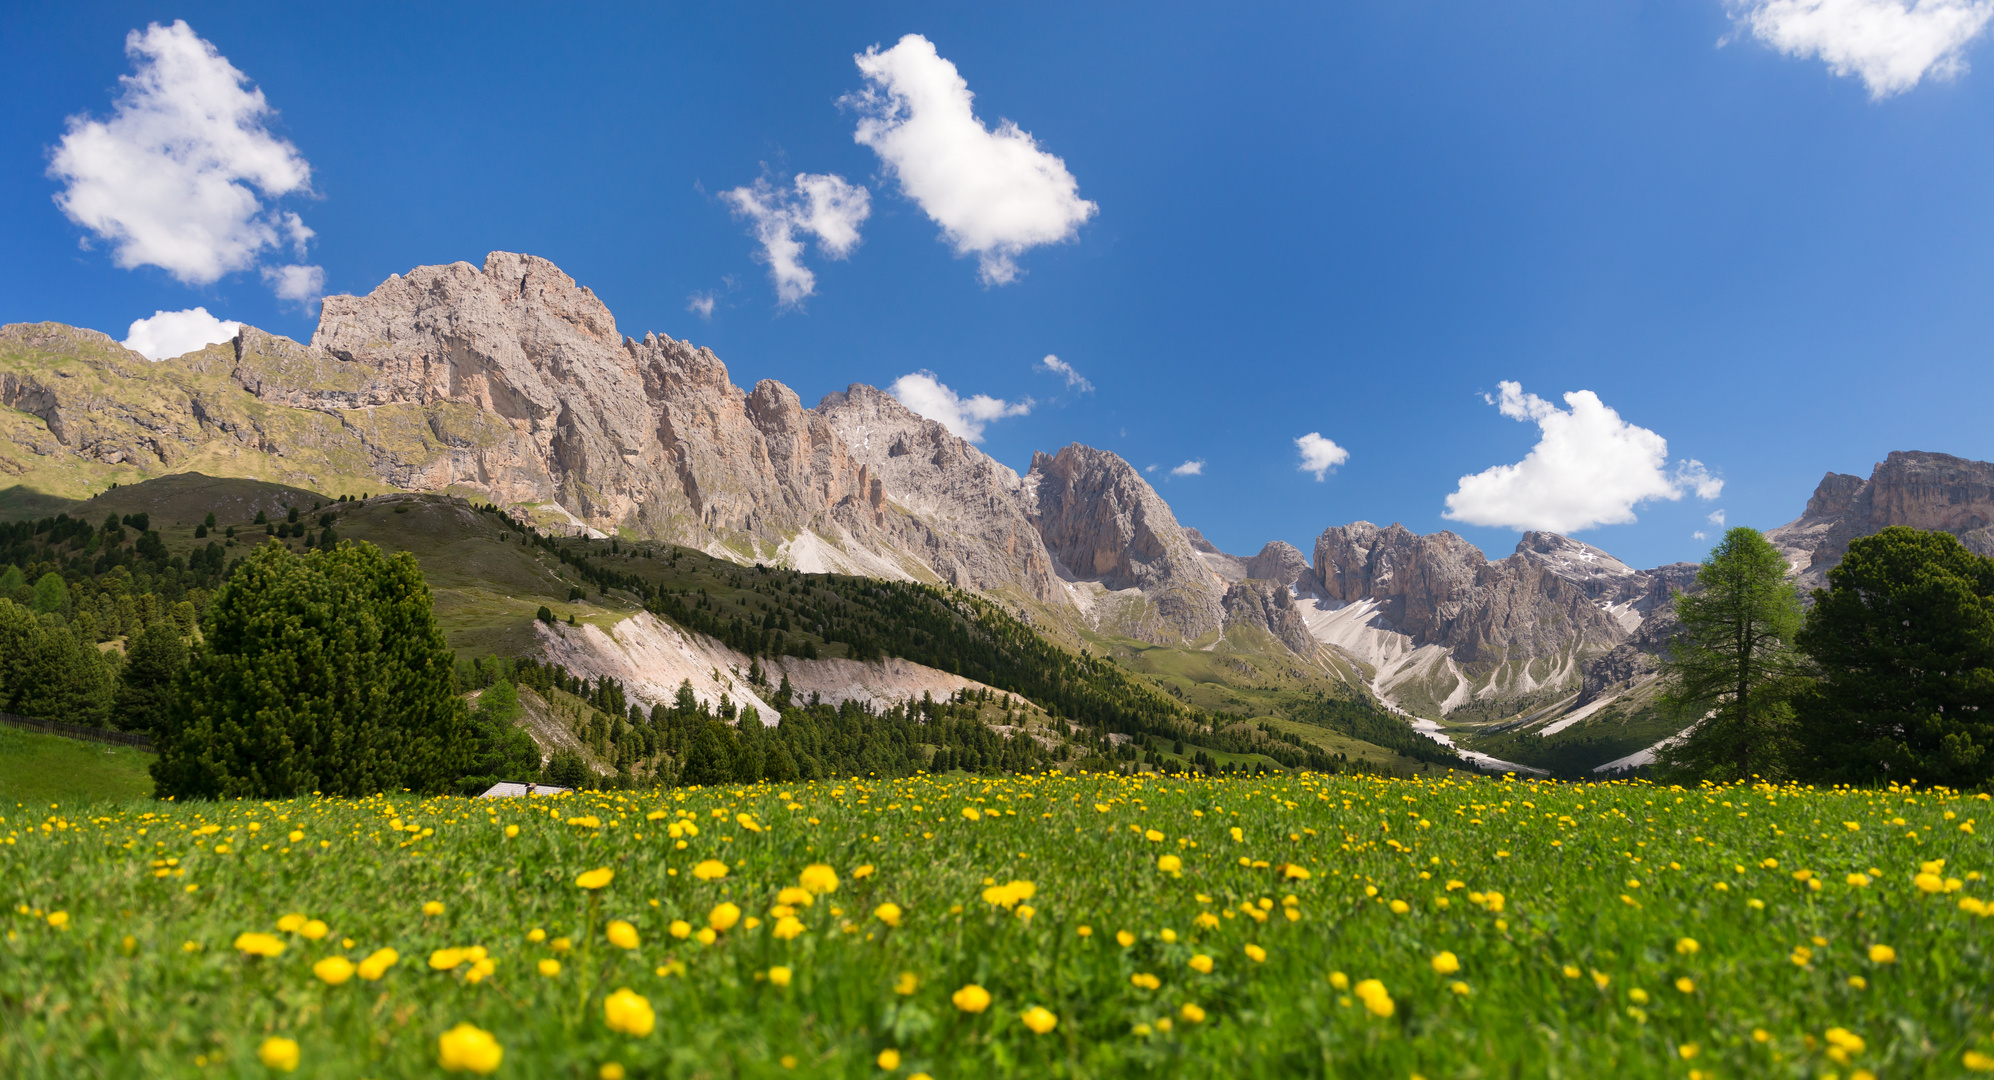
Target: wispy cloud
(177,176)
(700,304)
(966,417)
(1716,518)
(995,194)
(1190,468)
(1074,380)
(822,205)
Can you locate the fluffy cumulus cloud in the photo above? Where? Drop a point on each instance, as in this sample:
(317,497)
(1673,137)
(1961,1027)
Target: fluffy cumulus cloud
(700,304)
(176,333)
(178,176)
(1889,44)
(966,417)
(820,205)
(1074,380)
(1589,468)
(1320,455)
(995,194)
(1190,468)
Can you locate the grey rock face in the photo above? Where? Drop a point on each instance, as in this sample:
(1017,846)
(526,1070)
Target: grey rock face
(1916,488)
(1269,606)
(1439,589)
(1104,523)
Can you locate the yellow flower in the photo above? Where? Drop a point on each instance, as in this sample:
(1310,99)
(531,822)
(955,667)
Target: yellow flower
(595,879)
(1446,963)
(610,1071)
(295,836)
(333,970)
(723,916)
(315,929)
(60,920)
(780,976)
(1193,1014)
(1256,954)
(1686,985)
(434,907)
(795,896)
(1145,980)
(888,1059)
(536,935)
(445,959)
(1638,996)
(710,870)
(1339,980)
(1238,836)
(888,913)
(1571,972)
(1857,880)
(377,964)
(1687,1051)
(1153,836)
(787,927)
(1687,946)
(1039,1019)
(1372,993)
(1844,1039)
(629,1013)
(1882,954)
(971,998)
(550,967)
(1929,882)
(1300,873)
(560,945)
(279,1054)
(511,831)
(467,1048)
(1600,979)
(1399,907)
(1202,964)
(969,814)
(1976,1061)
(251,943)
(622,934)
(289,924)
(1125,938)
(706,936)
(1169,864)
(866,870)
(680,929)
(819,879)
(907,983)
(1084,930)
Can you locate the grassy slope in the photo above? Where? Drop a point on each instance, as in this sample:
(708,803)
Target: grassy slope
(488,587)
(38,768)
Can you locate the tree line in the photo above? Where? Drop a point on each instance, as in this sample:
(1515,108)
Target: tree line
(1886,676)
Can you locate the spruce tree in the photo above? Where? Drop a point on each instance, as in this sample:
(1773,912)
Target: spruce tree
(145,687)
(1904,639)
(1732,670)
(323,672)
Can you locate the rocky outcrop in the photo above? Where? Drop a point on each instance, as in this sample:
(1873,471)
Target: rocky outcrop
(1268,606)
(1439,589)
(1916,488)
(1102,522)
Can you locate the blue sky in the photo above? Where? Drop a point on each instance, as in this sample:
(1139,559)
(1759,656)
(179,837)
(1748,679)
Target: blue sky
(1353,220)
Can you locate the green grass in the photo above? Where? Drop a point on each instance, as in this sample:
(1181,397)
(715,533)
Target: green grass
(1619,929)
(38,768)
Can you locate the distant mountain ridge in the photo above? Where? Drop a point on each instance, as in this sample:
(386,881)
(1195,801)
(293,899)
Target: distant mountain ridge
(511,383)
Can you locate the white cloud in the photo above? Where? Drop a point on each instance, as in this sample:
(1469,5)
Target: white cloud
(303,284)
(820,204)
(1190,468)
(1698,535)
(167,180)
(1151,468)
(1589,468)
(966,417)
(176,333)
(1716,518)
(994,193)
(700,304)
(1074,380)
(1319,455)
(1889,44)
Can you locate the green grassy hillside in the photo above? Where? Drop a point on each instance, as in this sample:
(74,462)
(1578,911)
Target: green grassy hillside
(38,768)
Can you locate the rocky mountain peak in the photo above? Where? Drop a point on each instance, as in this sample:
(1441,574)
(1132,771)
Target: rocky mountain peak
(1918,488)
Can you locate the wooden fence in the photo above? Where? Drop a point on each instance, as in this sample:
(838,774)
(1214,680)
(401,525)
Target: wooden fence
(78,731)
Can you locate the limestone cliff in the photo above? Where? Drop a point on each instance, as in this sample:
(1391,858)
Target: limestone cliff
(1916,488)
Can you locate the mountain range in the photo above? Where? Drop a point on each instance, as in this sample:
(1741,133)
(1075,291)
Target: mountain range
(511,384)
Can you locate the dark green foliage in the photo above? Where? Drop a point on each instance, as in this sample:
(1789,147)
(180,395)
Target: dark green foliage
(707,761)
(145,687)
(51,595)
(1904,639)
(546,615)
(568,771)
(46,672)
(1732,671)
(1365,722)
(499,750)
(323,672)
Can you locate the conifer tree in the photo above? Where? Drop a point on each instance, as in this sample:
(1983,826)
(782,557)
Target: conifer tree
(323,672)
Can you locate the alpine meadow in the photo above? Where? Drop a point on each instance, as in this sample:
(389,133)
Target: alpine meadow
(1357,541)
